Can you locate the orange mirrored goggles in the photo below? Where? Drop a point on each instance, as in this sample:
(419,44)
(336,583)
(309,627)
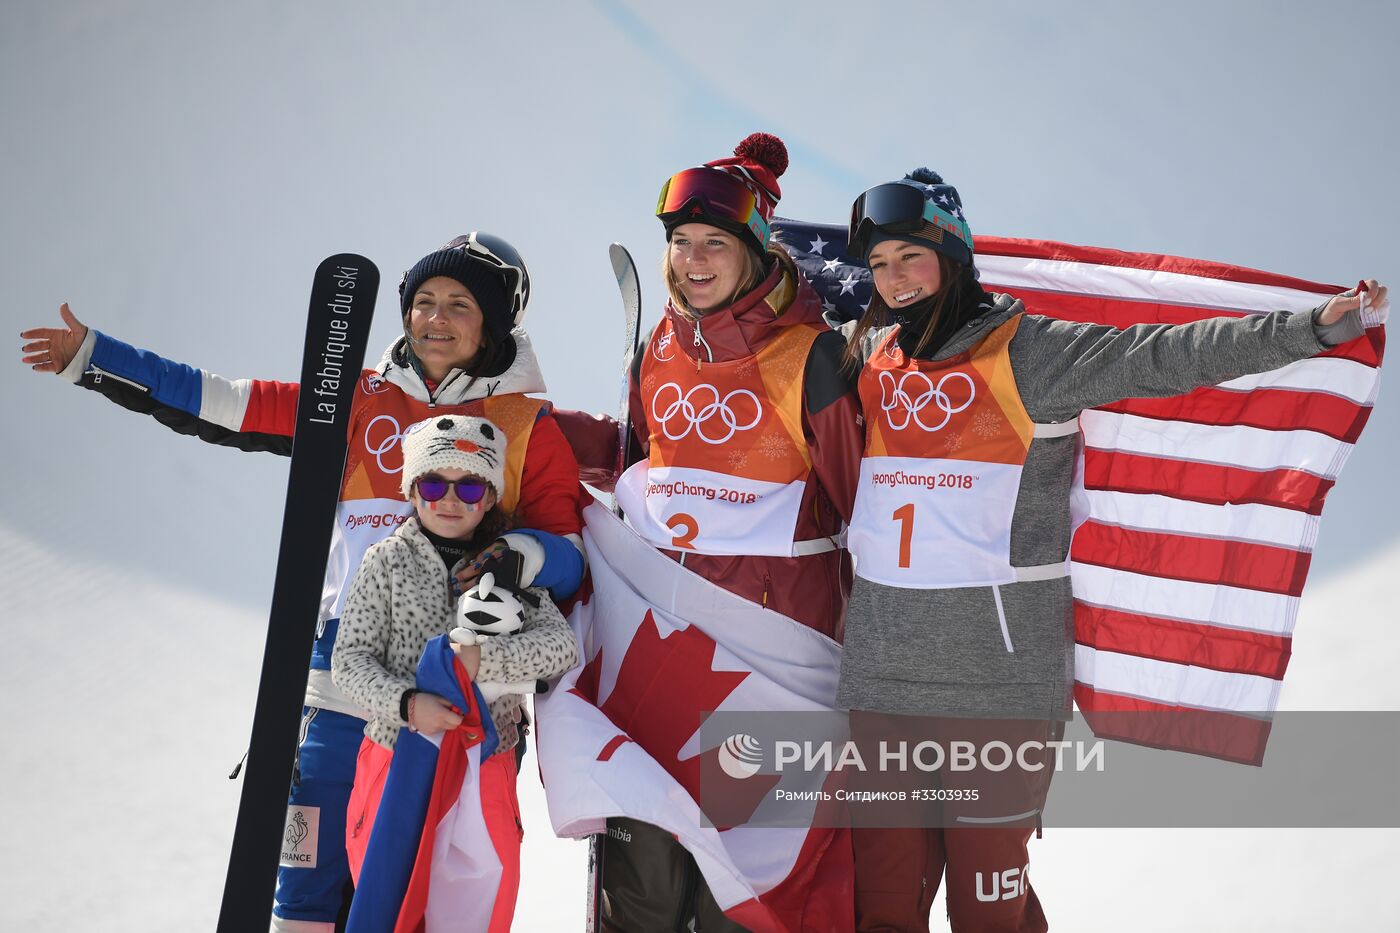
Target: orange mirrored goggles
(708,191)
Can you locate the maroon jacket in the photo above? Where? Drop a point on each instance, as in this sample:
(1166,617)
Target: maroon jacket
(812,589)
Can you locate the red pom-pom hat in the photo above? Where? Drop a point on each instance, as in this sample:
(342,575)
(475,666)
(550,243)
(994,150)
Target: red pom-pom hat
(757,163)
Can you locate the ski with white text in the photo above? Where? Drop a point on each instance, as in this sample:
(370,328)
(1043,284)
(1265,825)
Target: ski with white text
(627,283)
(337,333)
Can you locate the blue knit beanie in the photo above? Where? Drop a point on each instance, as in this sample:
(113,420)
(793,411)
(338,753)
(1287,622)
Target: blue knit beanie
(942,239)
(487,286)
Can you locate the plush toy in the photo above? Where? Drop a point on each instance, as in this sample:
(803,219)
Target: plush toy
(488,610)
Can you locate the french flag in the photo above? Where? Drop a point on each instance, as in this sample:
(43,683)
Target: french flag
(430,864)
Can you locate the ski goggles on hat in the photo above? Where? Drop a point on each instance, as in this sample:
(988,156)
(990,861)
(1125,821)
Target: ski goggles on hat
(433,487)
(698,192)
(496,254)
(899,208)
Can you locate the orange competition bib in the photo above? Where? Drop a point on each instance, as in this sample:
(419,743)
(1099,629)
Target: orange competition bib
(728,461)
(945,445)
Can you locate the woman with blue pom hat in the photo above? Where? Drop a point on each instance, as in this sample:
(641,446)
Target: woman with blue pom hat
(960,612)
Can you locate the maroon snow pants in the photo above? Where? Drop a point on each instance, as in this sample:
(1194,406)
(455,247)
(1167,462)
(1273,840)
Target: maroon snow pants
(898,872)
(980,849)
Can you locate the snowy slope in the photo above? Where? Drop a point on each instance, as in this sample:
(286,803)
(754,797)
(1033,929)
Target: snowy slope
(130,700)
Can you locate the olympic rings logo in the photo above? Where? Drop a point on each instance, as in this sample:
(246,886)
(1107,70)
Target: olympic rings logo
(386,445)
(684,407)
(894,395)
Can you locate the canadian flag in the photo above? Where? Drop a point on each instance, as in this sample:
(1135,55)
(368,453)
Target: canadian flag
(619,736)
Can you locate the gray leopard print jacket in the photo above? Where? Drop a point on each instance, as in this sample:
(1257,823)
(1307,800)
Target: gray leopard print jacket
(399,601)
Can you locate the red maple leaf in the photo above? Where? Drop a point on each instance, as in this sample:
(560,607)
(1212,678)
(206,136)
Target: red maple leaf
(664,688)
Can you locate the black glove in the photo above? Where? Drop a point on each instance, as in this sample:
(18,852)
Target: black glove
(507,567)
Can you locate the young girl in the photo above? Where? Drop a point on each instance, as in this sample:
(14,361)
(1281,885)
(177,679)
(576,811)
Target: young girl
(962,607)
(401,598)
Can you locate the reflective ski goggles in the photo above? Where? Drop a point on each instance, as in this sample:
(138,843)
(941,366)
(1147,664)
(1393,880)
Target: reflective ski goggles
(432,487)
(700,191)
(899,208)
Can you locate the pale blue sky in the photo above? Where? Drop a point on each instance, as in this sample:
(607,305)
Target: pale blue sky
(176,171)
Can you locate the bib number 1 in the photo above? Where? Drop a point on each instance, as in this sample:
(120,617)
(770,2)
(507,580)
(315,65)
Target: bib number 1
(905,516)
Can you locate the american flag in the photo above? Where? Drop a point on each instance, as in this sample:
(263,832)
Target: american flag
(1202,508)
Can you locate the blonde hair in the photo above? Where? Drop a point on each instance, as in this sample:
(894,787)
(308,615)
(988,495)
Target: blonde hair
(755,272)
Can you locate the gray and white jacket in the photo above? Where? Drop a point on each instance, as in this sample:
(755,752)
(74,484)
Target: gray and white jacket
(950,652)
(399,600)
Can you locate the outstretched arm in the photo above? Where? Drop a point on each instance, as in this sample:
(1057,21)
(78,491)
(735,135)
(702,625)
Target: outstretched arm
(247,414)
(1063,368)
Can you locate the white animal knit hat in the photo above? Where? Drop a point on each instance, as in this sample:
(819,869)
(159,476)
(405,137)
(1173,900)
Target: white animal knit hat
(454,442)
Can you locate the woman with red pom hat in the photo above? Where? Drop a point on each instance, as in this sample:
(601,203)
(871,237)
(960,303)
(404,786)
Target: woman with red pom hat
(739,383)
(735,300)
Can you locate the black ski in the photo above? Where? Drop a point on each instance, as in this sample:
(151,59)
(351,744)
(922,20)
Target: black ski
(631,289)
(337,333)
(626,271)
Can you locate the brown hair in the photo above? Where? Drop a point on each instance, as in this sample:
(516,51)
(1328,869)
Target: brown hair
(494,523)
(492,358)
(754,273)
(956,290)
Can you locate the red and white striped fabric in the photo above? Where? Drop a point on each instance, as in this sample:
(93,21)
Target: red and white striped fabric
(1202,509)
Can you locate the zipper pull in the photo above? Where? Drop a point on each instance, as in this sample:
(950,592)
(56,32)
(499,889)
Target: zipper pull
(697,333)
